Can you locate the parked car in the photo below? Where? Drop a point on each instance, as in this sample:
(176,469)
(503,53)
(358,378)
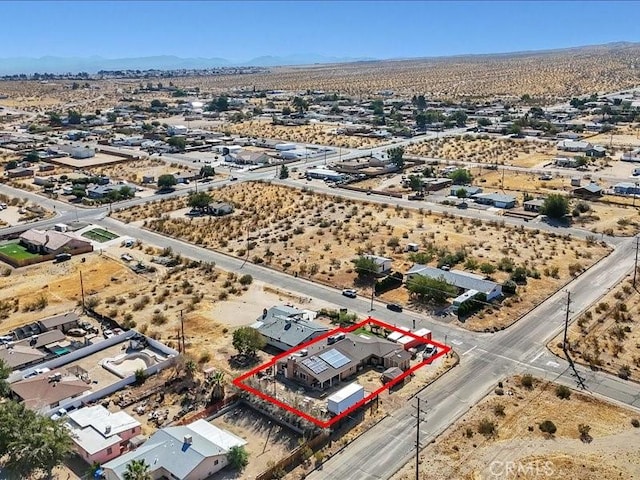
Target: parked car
(394,307)
(349,292)
(430,351)
(126,257)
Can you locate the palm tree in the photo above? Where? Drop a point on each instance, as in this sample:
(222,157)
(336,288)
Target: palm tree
(190,368)
(137,470)
(218,393)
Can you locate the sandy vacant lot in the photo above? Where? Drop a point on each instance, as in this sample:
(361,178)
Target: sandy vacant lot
(315,134)
(317,236)
(134,170)
(606,335)
(486,149)
(611,449)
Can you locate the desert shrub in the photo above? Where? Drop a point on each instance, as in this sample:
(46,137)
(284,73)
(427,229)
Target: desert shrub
(487,268)
(624,372)
(246,279)
(527,381)
(548,427)
(159,318)
(635,422)
(584,433)
(487,427)
(498,410)
(563,392)
(469,432)
(204,357)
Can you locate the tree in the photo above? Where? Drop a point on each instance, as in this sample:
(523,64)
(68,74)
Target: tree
(365,267)
(199,200)
(459,118)
(300,104)
(286,111)
(166,181)
(247,341)
(461,176)
(421,120)
(431,290)
(237,457)
(10,165)
(555,206)
(137,470)
(415,183)
(421,102)
(207,171)
(217,393)
(284,172)
(79,191)
(74,117)
(126,192)
(112,117)
(461,193)
(396,154)
(484,122)
(155,103)
(178,142)
(548,427)
(31,442)
(54,119)
(378,107)
(5,371)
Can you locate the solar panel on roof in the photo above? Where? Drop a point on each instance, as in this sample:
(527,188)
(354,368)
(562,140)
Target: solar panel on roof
(334,358)
(315,364)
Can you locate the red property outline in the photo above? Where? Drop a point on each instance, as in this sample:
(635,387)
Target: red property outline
(239,381)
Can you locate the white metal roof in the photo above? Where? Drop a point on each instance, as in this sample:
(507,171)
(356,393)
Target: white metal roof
(345,392)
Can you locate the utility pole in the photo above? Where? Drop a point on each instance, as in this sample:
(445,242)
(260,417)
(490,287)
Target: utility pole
(182,332)
(418,439)
(635,264)
(373,291)
(82,289)
(566,323)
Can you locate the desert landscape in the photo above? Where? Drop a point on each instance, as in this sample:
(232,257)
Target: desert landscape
(605,336)
(528,429)
(317,236)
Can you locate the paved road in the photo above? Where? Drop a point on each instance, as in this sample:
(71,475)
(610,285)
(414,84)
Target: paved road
(485,358)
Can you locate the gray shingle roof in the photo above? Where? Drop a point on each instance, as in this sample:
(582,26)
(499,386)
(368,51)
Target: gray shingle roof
(287,325)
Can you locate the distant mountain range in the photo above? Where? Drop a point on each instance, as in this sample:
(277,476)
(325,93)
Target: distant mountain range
(93,64)
(58,65)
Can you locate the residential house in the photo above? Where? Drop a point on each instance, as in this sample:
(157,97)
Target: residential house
(285,327)
(626,188)
(470,189)
(325,174)
(190,452)
(46,167)
(63,322)
(566,162)
(383,264)
(458,278)
(590,190)
(51,242)
(498,200)
(18,357)
(20,172)
(252,158)
(220,208)
(45,392)
(631,156)
(96,192)
(569,145)
(100,435)
(596,151)
(533,205)
(327,362)
(177,130)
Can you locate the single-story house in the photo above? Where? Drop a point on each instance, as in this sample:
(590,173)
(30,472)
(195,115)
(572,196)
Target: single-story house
(45,392)
(63,322)
(51,242)
(458,278)
(20,172)
(626,188)
(631,156)
(470,189)
(252,158)
(82,152)
(534,205)
(46,167)
(286,327)
(17,357)
(189,452)
(590,190)
(596,151)
(220,208)
(177,130)
(498,200)
(329,361)
(100,435)
(566,162)
(100,191)
(383,264)
(574,145)
(325,174)
(434,184)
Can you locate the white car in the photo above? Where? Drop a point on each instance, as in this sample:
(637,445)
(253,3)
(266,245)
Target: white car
(349,292)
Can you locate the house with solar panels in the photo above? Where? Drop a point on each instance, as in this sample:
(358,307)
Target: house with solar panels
(337,358)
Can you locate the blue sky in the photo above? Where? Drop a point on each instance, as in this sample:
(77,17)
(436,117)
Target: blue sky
(243,29)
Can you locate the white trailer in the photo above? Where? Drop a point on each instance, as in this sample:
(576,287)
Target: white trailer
(345,398)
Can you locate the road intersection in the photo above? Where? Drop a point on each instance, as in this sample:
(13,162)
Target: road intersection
(485,358)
